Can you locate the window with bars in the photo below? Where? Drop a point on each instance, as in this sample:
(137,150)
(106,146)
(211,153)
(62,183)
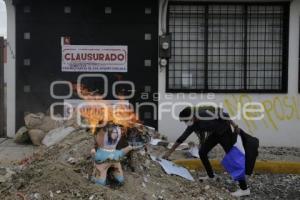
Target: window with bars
(228,47)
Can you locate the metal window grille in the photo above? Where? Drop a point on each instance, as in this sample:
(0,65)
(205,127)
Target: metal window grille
(227,47)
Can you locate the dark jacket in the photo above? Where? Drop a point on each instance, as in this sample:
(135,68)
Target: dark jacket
(251,145)
(207,123)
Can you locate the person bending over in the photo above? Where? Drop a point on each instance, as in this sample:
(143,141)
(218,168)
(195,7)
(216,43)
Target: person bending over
(216,125)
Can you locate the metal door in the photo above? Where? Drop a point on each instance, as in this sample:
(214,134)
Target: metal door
(41,24)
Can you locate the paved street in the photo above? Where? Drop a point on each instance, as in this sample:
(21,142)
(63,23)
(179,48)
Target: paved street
(11,152)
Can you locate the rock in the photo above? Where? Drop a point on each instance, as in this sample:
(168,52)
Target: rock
(36,136)
(53,168)
(32,121)
(147,163)
(20,184)
(72,160)
(207,187)
(146,179)
(72,122)
(91,197)
(5,174)
(22,135)
(160,198)
(49,124)
(36,196)
(78,194)
(51,194)
(57,135)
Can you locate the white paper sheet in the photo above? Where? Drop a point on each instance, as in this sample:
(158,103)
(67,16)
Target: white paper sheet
(172,168)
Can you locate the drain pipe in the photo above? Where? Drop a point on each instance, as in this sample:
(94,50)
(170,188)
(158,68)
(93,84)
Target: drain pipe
(163,16)
(165,38)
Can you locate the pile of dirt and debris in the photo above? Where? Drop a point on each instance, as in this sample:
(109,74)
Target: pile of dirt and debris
(62,171)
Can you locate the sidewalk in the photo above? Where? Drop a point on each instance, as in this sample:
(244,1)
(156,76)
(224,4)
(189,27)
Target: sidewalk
(10,152)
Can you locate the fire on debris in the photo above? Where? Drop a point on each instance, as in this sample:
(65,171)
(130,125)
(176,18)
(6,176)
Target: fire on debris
(96,112)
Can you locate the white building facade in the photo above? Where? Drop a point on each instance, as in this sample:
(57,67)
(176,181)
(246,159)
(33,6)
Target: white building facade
(280,125)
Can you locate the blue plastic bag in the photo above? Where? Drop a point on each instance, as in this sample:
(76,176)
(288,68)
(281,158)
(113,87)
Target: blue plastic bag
(234,163)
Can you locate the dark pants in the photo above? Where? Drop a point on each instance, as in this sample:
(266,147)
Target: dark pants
(226,140)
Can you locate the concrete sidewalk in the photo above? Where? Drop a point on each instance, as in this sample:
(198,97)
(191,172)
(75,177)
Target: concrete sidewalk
(10,152)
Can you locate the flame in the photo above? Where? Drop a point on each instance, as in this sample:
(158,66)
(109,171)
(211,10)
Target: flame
(97,111)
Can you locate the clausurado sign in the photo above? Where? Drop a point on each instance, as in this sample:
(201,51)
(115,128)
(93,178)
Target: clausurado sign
(91,58)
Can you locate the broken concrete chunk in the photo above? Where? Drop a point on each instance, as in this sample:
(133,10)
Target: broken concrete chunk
(33,120)
(22,135)
(35,196)
(49,124)
(51,194)
(57,135)
(36,136)
(72,160)
(72,122)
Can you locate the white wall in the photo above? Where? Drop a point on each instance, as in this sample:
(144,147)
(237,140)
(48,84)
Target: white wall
(281,124)
(10,70)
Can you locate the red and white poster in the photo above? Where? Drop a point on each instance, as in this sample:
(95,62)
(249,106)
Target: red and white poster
(91,58)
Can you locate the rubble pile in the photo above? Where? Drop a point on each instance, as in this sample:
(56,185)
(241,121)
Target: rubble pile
(39,125)
(62,171)
(62,167)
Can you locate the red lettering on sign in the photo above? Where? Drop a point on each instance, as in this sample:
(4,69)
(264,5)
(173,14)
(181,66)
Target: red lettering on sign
(107,58)
(78,57)
(95,57)
(101,56)
(113,57)
(121,57)
(90,56)
(67,56)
